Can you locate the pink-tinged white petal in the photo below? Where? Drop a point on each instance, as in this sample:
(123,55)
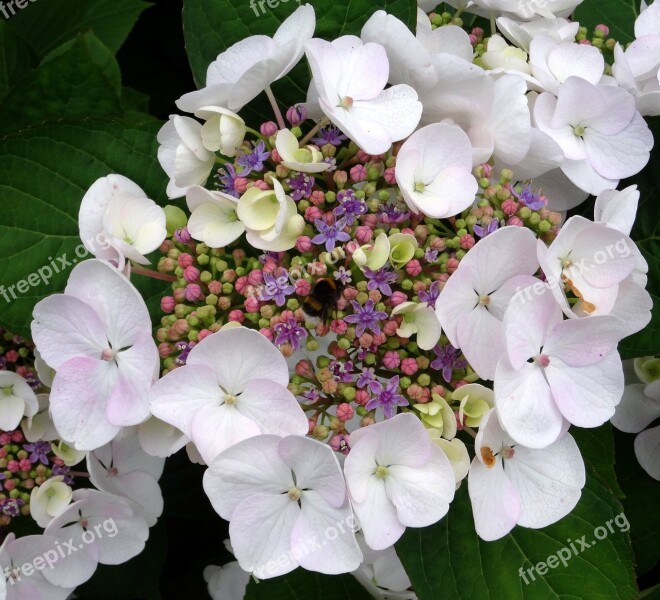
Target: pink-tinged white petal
(495,502)
(525,405)
(648,21)
(179,395)
(238,355)
(83,423)
(456,300)
(216,428)
(617,208)
(261,532)
(377,515)
(549,481)
(313,547)
(315,466)
(251,467)
(403,441)
(431,487)
(647,451)
(633,306)
(272,407)
(360,466)
(481,338)
(586,396)
(65,327)
(637,410)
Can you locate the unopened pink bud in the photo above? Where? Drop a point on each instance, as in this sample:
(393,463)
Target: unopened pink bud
(452,265)
(164,349)
(304,368)
(409,366)
(261,184)
(185,260)
(312,213)
(275,156)
(240,184)
(363,234)
(267,333)
(240,285)
(303,287)
(509,207)
(515,221)
(413,268)
(204,333)
(268,128)
(345,412)
(365,340)
(358,173)
(391,360)
(251,304)
(361,397)
(193,292)
(390,327)
(167,304)
(340,178)
(255,277)
(236,315)
(296,114)
(304,244)
(389,175)
(397,298)
(338,326)
(317,197)
(467,241)
(191,274)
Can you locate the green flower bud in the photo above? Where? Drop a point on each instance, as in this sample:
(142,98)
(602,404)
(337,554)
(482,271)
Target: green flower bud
(175,219)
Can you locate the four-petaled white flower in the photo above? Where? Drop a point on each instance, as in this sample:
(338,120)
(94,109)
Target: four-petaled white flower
(397,478)
(511,485)
(281,497)
(349,80)
(471,305)
(232,387)
(16,400)
(97,336)
(434,171)
(305,160)
(418,319)
(117,221)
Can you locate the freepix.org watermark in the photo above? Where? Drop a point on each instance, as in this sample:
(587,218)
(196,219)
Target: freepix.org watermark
(262,4)
(60,551)
(9,7)
(44,274)
(574,548)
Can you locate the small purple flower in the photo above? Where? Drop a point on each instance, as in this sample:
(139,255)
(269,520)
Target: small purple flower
(182,235)
(11,507)
(386,397)
(365,317)
(447,359)
(343,274)
(431,295)
(227,180)
(431,255)
(349,207)
(341,371)
(529,198)
(393,213)
(39,452)
(290,332)
(312,394)
(33,381)
(276,287)
(329,135)
(253,161)
(330,234)
(483,232)
(301,186)
(184,349)
(64,471)
(380,280)
(367,375)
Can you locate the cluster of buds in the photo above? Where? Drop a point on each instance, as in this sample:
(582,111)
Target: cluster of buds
(17,355)
(382,269)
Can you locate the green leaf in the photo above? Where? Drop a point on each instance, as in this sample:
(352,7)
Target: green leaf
(98,52)
(449,562)
(305,585)
(48,23)
(46,172)
(70,84)
(641,504)
(211,26)
(17,59)
(646,233)
(136,578)
(597,448)
(618,15)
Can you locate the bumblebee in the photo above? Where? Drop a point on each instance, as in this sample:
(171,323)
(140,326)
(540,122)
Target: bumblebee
(322,300)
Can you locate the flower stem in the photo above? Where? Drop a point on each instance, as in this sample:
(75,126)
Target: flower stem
(153,274)
(322,123)
(469,430)
(276,108)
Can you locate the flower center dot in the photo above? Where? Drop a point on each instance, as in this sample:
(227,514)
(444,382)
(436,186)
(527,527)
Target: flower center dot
(294,493)
(381,472)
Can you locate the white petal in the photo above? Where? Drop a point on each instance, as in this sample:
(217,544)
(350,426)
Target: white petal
(647,450)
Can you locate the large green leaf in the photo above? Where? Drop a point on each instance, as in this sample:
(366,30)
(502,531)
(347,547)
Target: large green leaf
(17,59)
(48,23)
(641,504)
(449,562)
(211,26)
(618,15)
(305,585)
(46,171)
(73,83)
(597,448)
